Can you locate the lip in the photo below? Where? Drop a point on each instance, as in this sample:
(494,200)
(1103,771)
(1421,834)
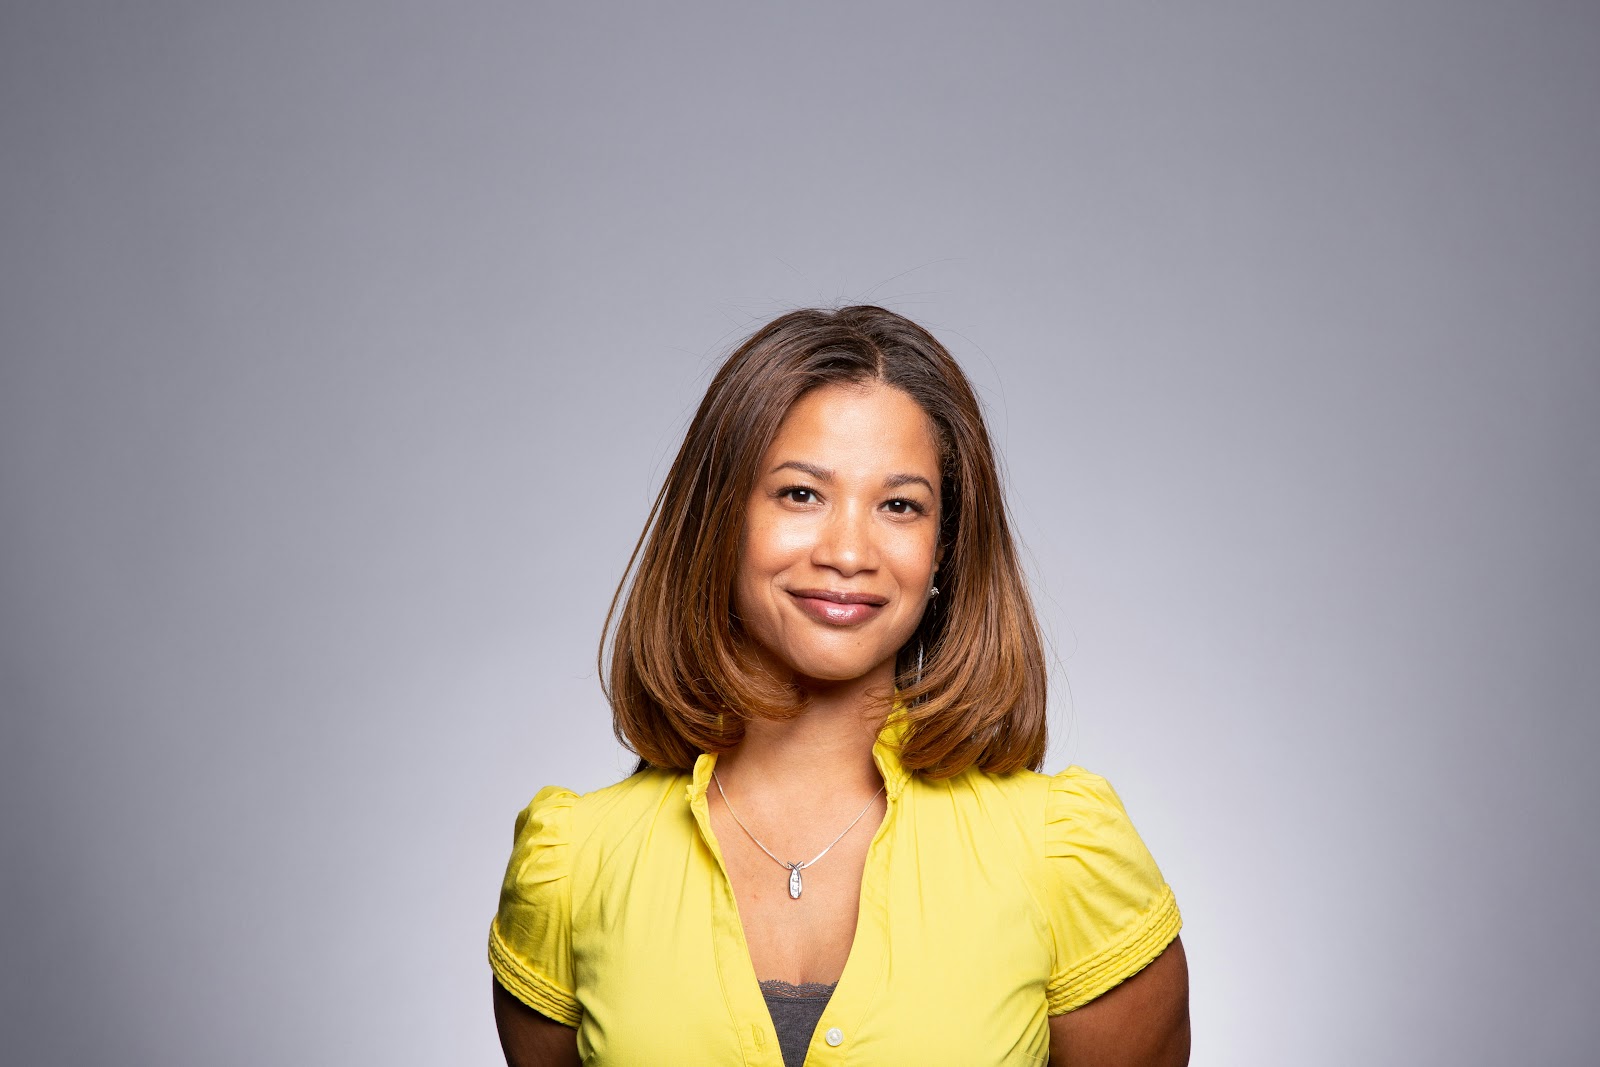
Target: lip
(838,609)
(840,598)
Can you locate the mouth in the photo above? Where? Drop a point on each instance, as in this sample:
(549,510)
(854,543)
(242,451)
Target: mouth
(838,609)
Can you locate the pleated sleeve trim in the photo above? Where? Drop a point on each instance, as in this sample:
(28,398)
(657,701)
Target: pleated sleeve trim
(1111,913)
(530,939)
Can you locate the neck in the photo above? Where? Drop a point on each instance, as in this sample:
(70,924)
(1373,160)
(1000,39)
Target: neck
(824,751)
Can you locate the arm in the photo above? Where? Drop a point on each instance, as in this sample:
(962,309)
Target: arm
(528,1038)
(1144,1022)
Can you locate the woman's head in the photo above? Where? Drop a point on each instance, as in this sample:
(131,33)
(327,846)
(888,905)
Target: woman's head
(701,641)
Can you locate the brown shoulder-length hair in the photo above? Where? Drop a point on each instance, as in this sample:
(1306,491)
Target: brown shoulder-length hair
(681,679)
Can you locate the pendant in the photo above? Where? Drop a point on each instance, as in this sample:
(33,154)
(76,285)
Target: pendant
(794,881)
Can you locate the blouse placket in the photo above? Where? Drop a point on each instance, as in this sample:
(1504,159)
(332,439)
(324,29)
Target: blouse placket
(861,983)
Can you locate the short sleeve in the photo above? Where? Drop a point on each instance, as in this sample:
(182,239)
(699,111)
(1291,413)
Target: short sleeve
(1110,911)
(530,939)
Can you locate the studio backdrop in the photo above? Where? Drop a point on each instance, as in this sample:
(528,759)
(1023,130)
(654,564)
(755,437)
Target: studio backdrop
(343,347)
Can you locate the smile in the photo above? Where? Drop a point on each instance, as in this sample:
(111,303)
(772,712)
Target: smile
(838,609)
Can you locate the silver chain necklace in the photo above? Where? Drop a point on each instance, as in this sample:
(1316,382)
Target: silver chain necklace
(793,868)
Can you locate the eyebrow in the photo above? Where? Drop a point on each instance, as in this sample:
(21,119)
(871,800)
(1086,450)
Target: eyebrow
(823,474)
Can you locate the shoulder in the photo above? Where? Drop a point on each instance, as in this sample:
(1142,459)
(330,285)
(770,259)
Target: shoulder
(1017,789)
(557,816)
(1073,798)
(573,829)
(541,838)
(1070,795)
(1080,806)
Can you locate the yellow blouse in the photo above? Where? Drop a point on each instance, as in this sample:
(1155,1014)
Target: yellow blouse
(988,902)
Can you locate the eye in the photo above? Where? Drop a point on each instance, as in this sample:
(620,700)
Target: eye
(798,494)
(901,506)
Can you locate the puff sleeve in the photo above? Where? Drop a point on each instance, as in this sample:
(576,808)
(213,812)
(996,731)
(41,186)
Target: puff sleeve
(530,939)
(1110,911)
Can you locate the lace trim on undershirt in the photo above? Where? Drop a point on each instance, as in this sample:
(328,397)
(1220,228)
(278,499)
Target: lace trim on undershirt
(776,987)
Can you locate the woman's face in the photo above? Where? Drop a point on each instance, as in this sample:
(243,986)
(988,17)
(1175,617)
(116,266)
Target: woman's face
(841,535)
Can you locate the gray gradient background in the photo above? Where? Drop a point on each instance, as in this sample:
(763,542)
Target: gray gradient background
(344,346)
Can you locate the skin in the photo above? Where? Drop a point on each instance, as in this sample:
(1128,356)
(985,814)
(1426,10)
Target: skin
(846,501)
(528,1038)
(1144,1022)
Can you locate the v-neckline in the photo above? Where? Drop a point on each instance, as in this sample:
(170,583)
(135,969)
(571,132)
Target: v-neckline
(853,993)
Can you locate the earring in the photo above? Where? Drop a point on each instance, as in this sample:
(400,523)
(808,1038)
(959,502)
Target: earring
(933,591)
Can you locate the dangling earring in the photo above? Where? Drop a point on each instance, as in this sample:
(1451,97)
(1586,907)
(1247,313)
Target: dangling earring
(933,591)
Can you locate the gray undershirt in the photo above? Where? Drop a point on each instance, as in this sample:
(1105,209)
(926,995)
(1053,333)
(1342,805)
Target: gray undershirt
(795,1010)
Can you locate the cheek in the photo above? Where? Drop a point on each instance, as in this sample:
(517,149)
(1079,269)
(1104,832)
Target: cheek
(762,555)
(914,559)
(769,545)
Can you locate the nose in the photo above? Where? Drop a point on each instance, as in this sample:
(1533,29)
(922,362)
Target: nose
(845,542)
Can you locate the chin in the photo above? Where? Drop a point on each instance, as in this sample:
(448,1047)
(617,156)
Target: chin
(818,676)
(828,671)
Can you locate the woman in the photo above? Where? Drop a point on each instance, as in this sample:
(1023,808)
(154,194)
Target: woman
(837,848)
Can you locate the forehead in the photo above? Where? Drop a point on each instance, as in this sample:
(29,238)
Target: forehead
(858,427)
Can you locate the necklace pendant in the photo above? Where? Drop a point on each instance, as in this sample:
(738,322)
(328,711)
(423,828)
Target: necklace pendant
(794,881)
